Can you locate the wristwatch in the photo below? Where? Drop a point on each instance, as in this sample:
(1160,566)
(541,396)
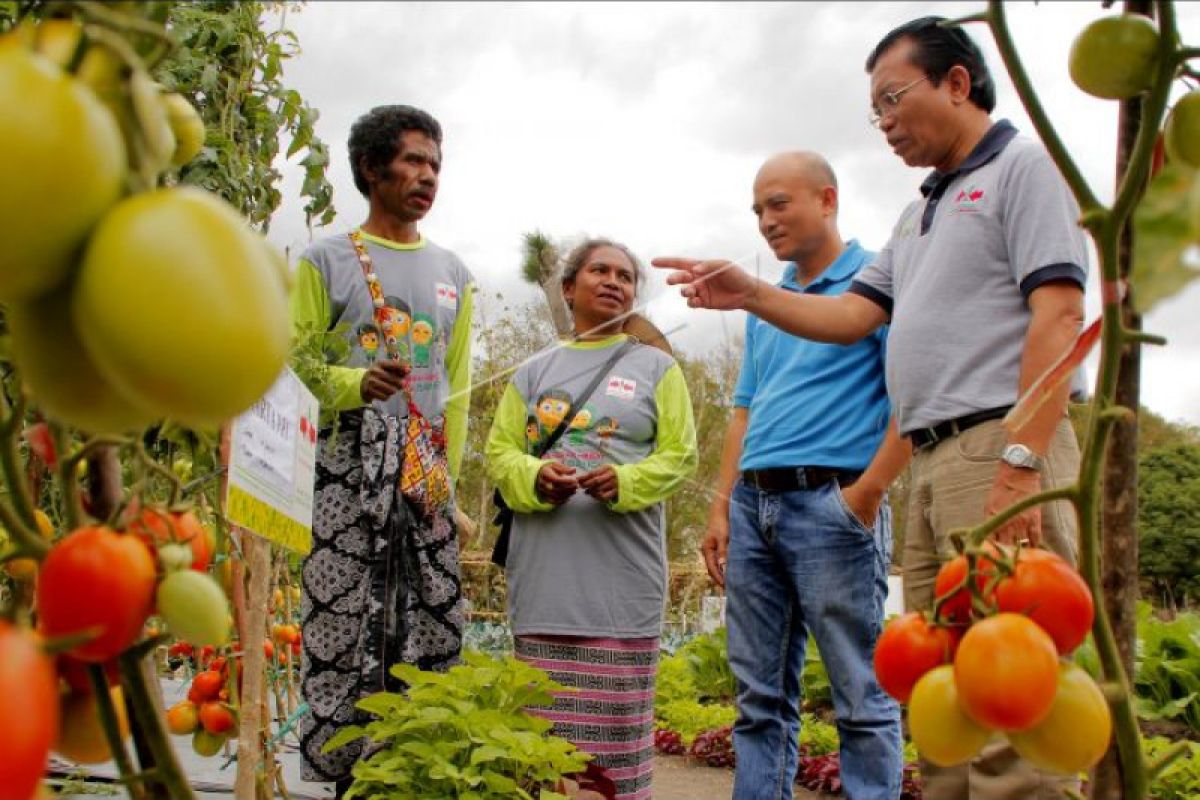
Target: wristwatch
(1020,456)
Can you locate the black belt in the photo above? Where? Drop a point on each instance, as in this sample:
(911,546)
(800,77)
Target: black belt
(791,479)
(924,437)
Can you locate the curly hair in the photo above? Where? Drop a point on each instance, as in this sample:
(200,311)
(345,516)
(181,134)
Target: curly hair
(375,138)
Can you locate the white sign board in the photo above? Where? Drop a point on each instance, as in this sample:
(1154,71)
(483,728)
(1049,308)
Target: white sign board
(272,465)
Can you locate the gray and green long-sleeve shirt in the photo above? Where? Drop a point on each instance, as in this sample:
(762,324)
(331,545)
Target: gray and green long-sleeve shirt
(589,568)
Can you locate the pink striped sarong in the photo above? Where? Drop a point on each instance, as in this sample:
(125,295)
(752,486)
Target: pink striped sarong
(611,712)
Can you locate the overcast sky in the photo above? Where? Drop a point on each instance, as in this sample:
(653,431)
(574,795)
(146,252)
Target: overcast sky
(646,122)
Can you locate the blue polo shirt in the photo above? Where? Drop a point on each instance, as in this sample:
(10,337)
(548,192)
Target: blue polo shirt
(813,404)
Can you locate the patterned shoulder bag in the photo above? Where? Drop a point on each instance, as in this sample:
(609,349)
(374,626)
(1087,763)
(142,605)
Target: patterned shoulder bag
(424,471)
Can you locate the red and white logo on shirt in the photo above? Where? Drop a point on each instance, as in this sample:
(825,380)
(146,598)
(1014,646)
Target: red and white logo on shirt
(621,388)
(447,295)
(968,200)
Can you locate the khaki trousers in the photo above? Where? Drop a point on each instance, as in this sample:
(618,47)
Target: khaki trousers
(950,483)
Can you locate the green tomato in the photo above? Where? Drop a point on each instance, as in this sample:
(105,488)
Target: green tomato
(60,376)
(63,162)
(206,744)
(1182,137)
(187,127)
(194,608)
(184,309)
(1115,57)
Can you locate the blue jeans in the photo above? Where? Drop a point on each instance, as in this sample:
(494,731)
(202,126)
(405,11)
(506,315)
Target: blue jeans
(800,561)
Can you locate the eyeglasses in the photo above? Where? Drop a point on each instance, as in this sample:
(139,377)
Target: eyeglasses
(890,100)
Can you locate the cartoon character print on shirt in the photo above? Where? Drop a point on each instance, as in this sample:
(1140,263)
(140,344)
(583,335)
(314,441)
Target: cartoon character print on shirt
(397,321)
(552,405)
(423,331)
(580,425)
(532,433)
(368,339)
(605,428)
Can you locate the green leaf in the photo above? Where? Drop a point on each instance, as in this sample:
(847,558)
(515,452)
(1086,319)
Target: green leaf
(1166,233)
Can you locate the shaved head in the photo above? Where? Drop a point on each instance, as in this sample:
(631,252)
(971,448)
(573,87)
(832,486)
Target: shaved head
(811,167)
(796,202)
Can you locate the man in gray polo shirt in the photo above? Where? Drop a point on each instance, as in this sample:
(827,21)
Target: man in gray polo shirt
(982,282)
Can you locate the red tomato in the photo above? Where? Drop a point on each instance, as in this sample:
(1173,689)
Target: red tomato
(268,649)
(205,686)
(908,648)
(951,581)
(206,653)
(181,650)
(1006,670)
(96,579)
(217,718)
(157,526)
(1049,591)
(75,673)
(28,711)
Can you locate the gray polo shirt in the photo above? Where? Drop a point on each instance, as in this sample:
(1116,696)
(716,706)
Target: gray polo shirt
(957,273)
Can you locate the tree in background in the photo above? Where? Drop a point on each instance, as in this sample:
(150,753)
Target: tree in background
(1169,523)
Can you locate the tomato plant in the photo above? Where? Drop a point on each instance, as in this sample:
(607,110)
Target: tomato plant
(951,583)
(81,737)
(1075,735)
(908,648)
(1049,591)
(1006,670)
(55,134)
(1115,57)
(162,274)
(29,718)
(96,579)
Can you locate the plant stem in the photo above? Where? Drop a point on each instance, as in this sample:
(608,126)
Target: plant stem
(112,730)
(11,418)
(1033,106)
(980,532)
(148,721)
(68,485)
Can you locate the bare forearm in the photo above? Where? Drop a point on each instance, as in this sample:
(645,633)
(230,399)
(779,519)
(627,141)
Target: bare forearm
(1052,331)
(841,319)
(889,461)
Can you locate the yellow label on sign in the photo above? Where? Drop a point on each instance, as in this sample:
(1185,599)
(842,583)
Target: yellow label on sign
(272,465)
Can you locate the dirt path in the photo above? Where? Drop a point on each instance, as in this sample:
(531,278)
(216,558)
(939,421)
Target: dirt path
(679,778)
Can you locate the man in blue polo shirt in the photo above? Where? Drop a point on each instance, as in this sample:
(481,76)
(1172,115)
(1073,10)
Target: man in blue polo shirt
(982,285)
(799,533)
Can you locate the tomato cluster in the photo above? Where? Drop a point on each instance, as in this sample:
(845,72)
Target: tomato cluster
(992,657)
(123,308)
(206,714)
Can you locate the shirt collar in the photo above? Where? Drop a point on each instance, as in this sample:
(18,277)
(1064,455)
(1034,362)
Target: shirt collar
(842,267)
(990,146)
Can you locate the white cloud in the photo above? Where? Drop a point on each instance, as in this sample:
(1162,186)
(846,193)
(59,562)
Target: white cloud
(647,122)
